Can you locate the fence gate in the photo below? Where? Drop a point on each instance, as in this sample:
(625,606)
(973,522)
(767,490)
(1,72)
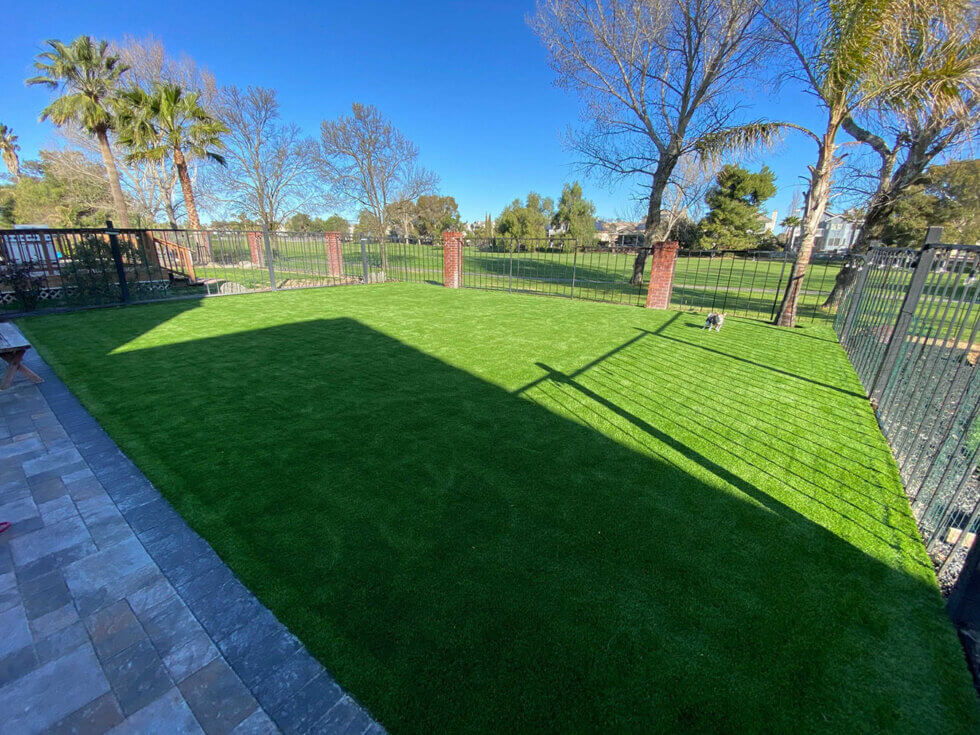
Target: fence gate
(909,326)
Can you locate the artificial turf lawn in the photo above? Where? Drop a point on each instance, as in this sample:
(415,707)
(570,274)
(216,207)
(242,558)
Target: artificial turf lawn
(492,512)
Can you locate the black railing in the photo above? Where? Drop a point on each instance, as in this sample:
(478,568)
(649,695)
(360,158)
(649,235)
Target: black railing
(69,268)
(552,267)
(63,268)
(909,326)
(751,283)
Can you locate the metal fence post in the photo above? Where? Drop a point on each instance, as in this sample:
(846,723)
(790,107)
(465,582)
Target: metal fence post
(268,257)
(779,285)
(117,259)
(364,260)
(897,340)
(510,270)
(857,292)
(574,264)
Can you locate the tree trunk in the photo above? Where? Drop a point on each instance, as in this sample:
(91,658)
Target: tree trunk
(185,187)
(202,238)
(382,245)
(118,200)
(168,206)
(891,186)
(816,203)
(878,211)
(651,232)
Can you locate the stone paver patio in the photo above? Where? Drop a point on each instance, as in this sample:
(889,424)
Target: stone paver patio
(116,616)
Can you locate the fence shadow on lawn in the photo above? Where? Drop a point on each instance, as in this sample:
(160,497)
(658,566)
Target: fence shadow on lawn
(754,363)
(461,557)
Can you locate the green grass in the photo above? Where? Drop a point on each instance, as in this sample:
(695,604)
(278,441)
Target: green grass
(493,512)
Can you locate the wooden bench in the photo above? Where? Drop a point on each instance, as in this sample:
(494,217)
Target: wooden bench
(13,345)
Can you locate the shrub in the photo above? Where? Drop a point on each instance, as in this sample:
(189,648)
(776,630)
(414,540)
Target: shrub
(25,283)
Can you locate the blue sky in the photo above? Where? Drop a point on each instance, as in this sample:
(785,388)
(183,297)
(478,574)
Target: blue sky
(467,81)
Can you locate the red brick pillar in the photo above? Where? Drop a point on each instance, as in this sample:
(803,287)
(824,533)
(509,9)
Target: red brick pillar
(661,274)
(256,248)
(335,257)
(452,259)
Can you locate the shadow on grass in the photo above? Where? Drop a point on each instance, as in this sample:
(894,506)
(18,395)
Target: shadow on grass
(466,559)
(756,363)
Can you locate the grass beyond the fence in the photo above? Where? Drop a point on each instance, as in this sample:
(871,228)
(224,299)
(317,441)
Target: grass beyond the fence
(493,512)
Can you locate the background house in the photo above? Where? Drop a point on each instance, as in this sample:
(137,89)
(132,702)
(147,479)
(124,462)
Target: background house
(619,233)
(836,232)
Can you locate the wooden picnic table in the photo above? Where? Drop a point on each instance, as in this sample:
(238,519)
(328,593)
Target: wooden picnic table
(13,345)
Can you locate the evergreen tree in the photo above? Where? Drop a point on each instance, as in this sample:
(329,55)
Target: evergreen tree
(735,207)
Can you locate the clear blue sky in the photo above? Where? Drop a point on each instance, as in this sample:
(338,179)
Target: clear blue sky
(467,81)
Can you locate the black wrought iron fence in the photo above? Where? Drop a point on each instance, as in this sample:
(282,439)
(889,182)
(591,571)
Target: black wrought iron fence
(415,260)
(750,283)
(43,268)
(737,283)
(553,267)
(65,268)
(232,261)
(909,326)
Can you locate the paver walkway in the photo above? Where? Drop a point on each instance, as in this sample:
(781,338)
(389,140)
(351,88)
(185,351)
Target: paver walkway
(115,615)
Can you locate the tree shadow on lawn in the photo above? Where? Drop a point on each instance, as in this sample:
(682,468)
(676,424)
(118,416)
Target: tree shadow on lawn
(464,559)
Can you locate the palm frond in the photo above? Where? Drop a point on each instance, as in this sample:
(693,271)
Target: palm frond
(88,75)
(740,139)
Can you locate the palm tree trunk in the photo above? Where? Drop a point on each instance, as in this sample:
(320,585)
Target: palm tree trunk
(13,163)
(816,204)
(185,187)
(202,238)
(115,188)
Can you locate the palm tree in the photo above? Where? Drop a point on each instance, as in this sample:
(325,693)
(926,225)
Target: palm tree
(907,138)
(791,222)
(88,76)
(849,66)
(164,122)
(8,148)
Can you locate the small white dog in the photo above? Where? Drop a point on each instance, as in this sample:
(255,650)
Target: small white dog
(714,321)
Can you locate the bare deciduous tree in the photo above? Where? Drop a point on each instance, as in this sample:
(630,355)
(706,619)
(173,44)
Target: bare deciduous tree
(149,63)
(369,162)
(684,195)
(659,79)
(402,213)
(270,171)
